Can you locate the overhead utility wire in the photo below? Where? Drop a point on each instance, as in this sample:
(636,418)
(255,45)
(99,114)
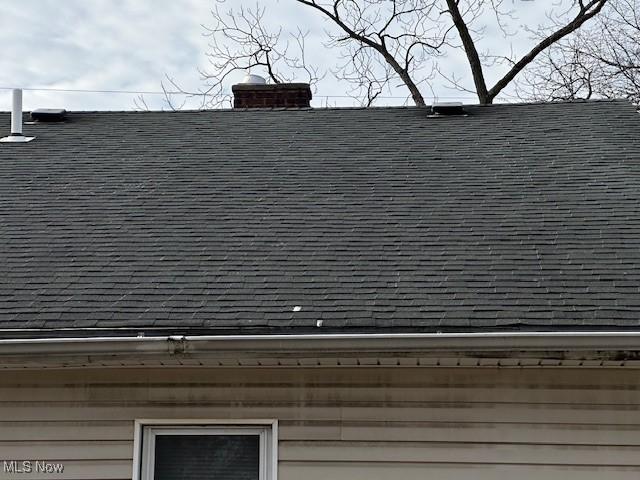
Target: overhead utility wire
(152,92)
(82,90)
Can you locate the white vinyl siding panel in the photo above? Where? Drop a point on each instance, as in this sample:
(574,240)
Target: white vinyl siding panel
(341,423)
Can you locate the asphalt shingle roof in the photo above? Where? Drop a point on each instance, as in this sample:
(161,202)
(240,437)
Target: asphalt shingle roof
(514,217)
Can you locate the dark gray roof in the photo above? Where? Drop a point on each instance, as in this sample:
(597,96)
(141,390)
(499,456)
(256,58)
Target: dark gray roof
(514,217)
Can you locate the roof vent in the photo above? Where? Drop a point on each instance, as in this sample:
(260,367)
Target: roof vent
(447,109)
(49,115)
(16,120)
(250,79)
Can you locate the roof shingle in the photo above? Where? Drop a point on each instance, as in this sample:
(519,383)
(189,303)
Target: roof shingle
(514,217)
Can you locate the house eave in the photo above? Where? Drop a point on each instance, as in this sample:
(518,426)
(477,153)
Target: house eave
(457,349)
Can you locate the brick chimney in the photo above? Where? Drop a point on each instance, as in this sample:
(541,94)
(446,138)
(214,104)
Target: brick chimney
(278,95)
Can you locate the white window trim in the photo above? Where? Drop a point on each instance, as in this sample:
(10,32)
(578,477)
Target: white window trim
(267,429)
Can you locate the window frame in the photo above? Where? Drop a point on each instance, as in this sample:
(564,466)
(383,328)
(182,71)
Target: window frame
(146,430)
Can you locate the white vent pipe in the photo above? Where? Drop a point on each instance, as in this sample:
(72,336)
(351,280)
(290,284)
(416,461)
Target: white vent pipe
(16,112)
(16,119)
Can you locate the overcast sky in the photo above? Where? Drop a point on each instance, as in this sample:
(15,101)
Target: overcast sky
(132,44)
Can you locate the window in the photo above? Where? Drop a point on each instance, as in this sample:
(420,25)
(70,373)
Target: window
(202,450)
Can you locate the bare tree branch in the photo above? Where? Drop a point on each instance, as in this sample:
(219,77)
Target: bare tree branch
(370,24)
(585,13)
(240,41)
(470,49)
(385,44)
(602,61)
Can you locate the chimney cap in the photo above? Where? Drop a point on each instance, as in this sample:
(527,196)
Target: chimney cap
(251,79)
(271,86)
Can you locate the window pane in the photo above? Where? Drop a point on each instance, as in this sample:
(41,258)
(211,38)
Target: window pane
(207,457)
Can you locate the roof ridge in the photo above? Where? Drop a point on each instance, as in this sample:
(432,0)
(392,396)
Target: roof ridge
(385,107)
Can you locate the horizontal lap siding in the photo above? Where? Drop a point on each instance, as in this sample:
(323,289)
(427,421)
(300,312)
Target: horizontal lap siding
(369,423)
(418,471)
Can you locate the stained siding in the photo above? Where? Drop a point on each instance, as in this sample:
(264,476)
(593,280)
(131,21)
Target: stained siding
(342,423)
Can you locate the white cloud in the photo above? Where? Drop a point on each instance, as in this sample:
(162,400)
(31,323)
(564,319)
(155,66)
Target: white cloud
(99,44)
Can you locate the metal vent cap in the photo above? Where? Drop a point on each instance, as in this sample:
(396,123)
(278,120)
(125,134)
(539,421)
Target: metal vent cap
(448,108)
(251,79)
(49,115)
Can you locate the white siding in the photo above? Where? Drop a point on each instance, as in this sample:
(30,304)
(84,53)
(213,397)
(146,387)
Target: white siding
(342,423)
